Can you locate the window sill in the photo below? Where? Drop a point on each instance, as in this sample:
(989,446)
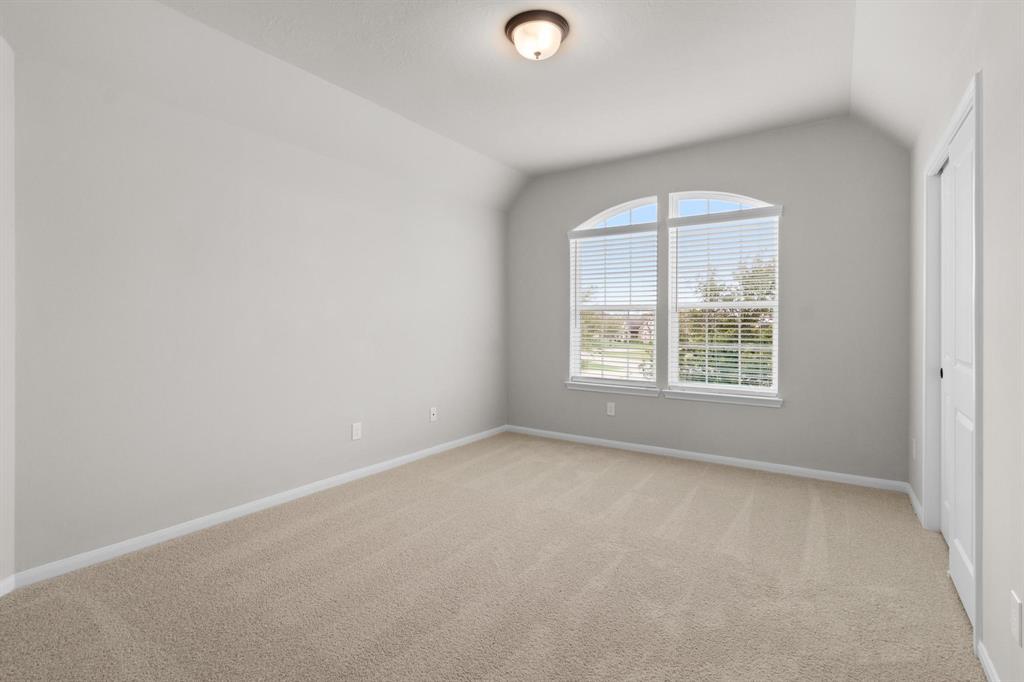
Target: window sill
(649,391)
(677,394)
(730,398)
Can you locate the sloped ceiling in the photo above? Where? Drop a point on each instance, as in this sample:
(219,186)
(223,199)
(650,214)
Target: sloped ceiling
(632,76)
(897,45)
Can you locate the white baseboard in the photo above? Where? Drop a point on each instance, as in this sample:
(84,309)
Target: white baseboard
(852,479)
(986,663)
(61,566)
(916,504)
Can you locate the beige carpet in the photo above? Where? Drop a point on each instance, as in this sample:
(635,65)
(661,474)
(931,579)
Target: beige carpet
(519,558)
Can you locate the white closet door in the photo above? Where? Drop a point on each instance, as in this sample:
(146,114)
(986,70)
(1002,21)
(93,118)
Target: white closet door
(958,361)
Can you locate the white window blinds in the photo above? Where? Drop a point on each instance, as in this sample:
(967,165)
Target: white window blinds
(723,300)
(614,291)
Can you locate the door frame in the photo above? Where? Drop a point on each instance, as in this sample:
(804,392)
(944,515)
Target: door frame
(930,437)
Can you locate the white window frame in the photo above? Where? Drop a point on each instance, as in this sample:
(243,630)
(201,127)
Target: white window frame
(576,380)
(666,340)
(699,391)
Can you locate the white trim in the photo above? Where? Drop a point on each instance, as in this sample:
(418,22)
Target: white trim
(724,389)
(930,435)
(598,232)
(975,90)
(95,556)
(662,321)
(61,566)
(732,305)
(986,663)
(651,391)
(616,308)
(673,305)
(771,467)
(963,108)
(730,398)
(916,504)
(647,391)
(727,217)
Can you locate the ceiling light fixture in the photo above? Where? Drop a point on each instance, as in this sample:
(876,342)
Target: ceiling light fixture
(537,34)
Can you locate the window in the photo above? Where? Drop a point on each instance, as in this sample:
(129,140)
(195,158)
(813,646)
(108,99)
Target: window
(614,291)
(689,204)
(722,288)
(723,293)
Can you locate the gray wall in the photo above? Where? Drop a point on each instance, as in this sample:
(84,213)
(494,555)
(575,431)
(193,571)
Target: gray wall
(990,42)
(7,309)
(844,299)
(223,262)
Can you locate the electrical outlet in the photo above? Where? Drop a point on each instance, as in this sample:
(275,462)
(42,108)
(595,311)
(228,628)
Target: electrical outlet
(357,430)
(433,414)
(1015,617)
(610,409)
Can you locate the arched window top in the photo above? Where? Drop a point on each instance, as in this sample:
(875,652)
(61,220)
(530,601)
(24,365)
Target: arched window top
(636,212)
(693,204)
(639,215)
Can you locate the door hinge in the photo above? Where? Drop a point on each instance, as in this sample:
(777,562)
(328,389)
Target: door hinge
(941,373)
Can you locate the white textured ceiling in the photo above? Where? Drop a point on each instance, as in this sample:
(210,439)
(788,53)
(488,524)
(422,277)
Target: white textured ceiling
(633,76)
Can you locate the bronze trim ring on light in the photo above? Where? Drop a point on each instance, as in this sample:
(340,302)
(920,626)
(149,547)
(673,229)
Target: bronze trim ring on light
(539,44)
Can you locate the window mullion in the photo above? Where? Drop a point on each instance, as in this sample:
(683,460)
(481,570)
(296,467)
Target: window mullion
(661,316)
